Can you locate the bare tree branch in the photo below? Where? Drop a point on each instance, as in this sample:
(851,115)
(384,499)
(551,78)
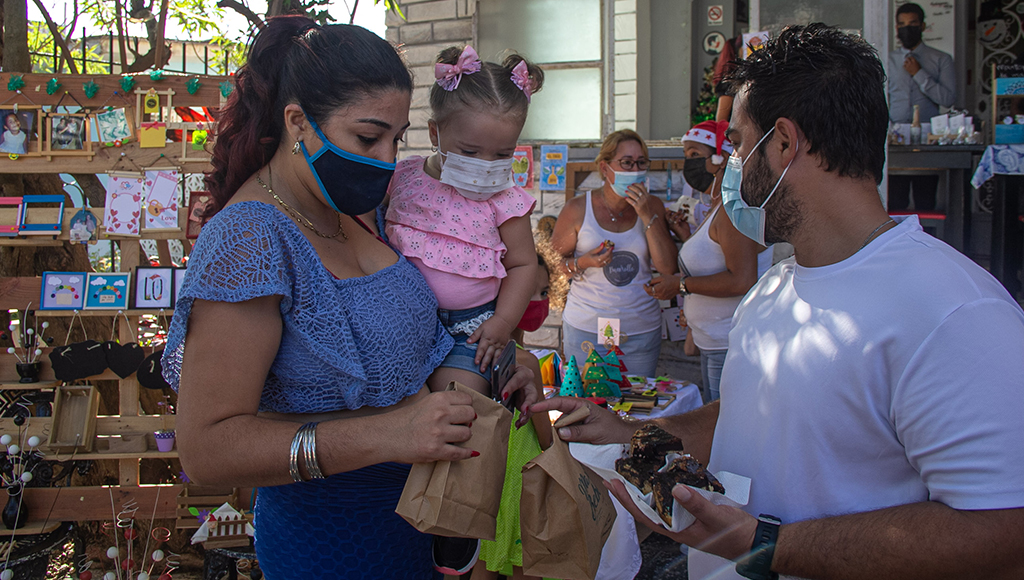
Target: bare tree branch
(352,17)
(244,11)
(120,36)
(58,38)
(158,58)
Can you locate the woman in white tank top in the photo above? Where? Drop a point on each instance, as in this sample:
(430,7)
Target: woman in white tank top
(608,241)
(717,264)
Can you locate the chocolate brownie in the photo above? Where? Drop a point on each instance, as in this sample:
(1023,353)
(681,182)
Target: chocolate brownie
(654,443)
(638,471)
(683,470)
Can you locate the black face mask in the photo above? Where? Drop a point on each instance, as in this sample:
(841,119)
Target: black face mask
(910,36)
(696,174)
(351,184)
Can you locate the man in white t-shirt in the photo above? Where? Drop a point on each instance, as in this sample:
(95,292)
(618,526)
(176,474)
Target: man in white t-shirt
(874,387)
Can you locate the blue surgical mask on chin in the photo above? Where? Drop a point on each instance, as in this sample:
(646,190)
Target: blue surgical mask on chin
(750,221)
(623,179)
(350,183)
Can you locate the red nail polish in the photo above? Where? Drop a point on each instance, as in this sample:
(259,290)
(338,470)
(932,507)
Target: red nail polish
(474,416)
(470,424)
(475,454)
(504,395)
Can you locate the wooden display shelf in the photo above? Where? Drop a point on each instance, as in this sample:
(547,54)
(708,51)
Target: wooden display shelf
(30,528)
(36,386)
(92,503)
(9,375)
(168,312)
(49,214)
(106,425)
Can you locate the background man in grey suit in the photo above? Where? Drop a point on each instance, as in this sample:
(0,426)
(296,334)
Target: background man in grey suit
(918,75)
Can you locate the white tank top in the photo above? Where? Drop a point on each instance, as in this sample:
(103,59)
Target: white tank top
(709,317)
(617,290)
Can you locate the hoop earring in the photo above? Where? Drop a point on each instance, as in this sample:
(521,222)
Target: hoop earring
(433,148)
(295,148)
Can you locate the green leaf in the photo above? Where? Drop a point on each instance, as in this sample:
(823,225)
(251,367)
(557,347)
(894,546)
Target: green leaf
(193,511)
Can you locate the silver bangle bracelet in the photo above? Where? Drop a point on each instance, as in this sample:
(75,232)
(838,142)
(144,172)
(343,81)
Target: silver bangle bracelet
(293,457)
(312,465)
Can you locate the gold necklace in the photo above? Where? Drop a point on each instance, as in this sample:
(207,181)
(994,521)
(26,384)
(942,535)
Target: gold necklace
(295,213)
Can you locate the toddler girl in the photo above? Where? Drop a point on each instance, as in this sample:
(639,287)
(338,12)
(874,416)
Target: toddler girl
(457,216)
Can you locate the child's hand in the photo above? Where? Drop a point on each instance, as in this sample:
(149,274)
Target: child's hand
(490,338)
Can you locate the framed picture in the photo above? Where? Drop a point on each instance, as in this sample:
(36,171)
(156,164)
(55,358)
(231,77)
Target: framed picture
(62,291)
(197,203)
(154,287)
(107,290)
(20,131)
(84,227)
(113,127)
(179,279)
(41,221)
(67,133)
(10,216)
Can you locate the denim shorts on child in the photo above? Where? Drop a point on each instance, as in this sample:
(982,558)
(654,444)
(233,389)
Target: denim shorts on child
(461,324)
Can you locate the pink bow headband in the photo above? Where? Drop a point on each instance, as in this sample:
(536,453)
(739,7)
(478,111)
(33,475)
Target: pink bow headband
(521,77)
(449,75)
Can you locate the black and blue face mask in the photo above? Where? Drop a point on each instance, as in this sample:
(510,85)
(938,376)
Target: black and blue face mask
(351,184)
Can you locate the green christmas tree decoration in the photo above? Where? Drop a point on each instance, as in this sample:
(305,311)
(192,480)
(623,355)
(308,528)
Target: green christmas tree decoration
(595,373)
(594,358)
(192,86)
(226,88)
(612,372)
(90,89)
(603,389)
(571,384)
(617,352)
(156,75)
(16,83)
(52,86)
(707,100)
(127,83)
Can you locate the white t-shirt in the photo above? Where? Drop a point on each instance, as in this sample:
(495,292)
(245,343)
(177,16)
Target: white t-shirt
(895,376)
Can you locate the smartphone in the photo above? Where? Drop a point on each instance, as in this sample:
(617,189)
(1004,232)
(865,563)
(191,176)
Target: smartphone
(502,371)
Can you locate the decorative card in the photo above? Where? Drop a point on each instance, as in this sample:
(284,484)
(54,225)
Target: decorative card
(107,290)
(608,331)
(68,132)
(161,200)
(553,160)
(179,279)
(152,135)
(197,204)
(123,205)
(113,127)
(522,166)
(154,287)
(62,291)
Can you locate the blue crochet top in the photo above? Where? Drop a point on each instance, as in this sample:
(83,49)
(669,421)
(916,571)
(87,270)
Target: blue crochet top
(368,341)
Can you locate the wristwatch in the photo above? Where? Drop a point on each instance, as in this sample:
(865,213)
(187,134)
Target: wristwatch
(757,565)
(682,287)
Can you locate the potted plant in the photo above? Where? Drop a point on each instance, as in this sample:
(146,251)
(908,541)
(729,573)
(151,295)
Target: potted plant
(164,437)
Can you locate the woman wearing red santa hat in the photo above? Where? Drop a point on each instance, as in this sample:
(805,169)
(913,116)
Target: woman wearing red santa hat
(717,264)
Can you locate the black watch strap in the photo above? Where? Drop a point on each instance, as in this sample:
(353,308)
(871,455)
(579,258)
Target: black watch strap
(758,564)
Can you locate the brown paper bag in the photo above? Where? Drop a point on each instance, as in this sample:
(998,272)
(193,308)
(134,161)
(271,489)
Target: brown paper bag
(565,512)
(460,499)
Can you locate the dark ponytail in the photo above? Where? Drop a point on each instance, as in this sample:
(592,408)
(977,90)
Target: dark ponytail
(490,89)
(293,60)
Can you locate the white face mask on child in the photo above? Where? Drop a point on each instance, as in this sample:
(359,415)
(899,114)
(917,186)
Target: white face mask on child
(476,179)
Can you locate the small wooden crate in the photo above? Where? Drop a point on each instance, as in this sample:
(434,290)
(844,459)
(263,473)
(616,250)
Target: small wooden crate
(203,499)
(229,533)
(74,418)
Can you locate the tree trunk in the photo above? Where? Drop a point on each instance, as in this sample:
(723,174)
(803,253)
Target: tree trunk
(15,58)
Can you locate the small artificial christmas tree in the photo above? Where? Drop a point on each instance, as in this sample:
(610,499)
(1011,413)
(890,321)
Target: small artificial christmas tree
(707,100)
(572,386)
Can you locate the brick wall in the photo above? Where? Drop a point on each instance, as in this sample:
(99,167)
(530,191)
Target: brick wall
(429,27)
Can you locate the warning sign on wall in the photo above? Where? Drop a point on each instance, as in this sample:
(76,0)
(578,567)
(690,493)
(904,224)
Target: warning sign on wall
(716,15)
